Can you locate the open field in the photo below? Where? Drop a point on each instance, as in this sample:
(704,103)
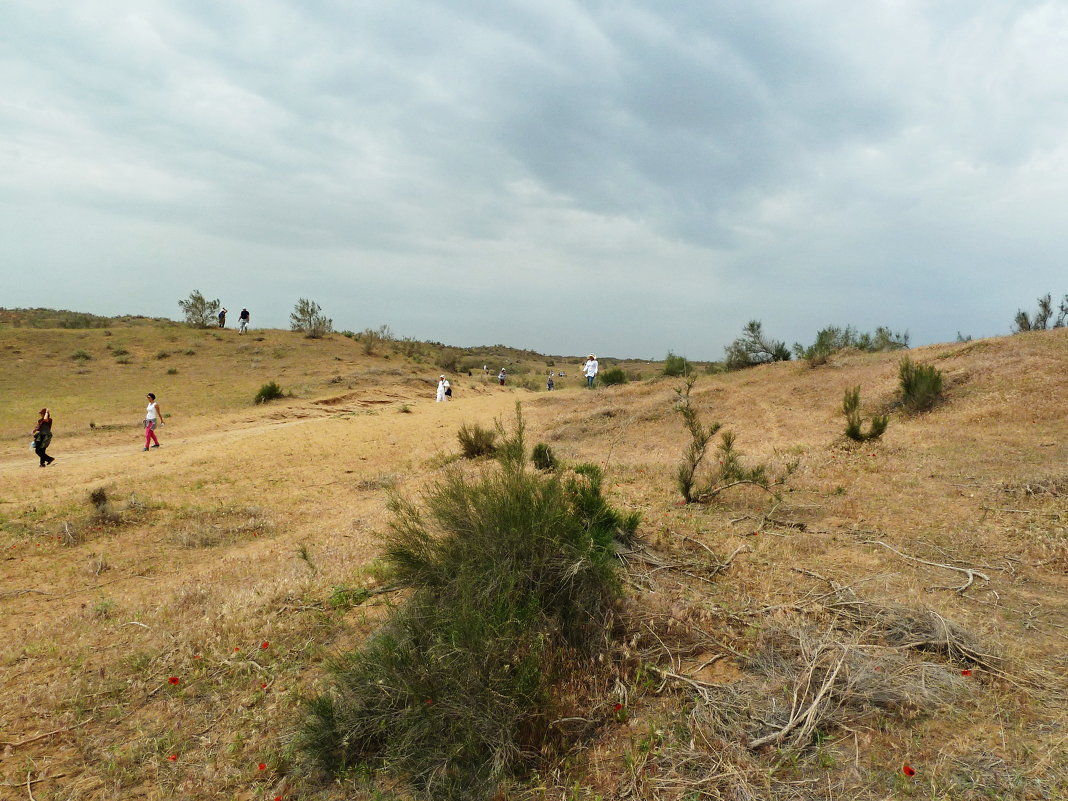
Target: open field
(231,559)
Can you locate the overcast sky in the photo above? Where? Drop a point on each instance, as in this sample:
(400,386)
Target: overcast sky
(625,176)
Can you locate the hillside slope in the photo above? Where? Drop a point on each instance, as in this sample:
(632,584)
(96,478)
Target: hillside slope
(230,559)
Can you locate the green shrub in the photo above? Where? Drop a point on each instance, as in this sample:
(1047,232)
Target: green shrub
(199,312)
(832,339)
(676,366)
(612,377)
(513,581)
(476,441)
(543,457)
(921,385)
(81,356)
(729,471)
(269,392)
(119,351)
(307,318)
(753,347)
(854,423)
(163,355)
(172,371)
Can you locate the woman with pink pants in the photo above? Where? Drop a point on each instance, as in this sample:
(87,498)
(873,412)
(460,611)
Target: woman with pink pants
(153,418)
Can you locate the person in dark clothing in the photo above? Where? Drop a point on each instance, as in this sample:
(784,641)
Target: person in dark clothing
(42,437)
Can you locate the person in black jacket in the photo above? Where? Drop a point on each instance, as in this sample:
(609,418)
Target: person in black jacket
(42,437)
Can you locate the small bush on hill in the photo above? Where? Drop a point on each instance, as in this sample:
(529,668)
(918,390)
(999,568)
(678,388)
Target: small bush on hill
(921,385)
(676,366)
(729,471)
(543,457)
(753,348)
(513,582)
(199,311)
(1040,320)
(854,423)
(832,339)
(307,317)
(613,377)
(373,337)
(269,392)
(81,356)
(476,441)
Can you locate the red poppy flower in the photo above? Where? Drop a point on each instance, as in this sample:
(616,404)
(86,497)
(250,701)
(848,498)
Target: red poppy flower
(908,770)
(174,679)
(429,701)
(263,686)
(262,766)
(618,707)
(965,673)
(172,758)
(265,644)
(236,649)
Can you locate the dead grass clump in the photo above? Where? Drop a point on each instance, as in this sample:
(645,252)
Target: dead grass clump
(818,681)
(223,526)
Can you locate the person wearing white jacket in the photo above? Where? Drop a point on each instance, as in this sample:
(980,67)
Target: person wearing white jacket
(589,369)
(443,387)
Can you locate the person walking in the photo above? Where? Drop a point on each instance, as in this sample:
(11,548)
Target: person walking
(222,318)
(501,376)
(153,418)
(589,369)
(550,385)
(444,390)
(242,321)
(42,437)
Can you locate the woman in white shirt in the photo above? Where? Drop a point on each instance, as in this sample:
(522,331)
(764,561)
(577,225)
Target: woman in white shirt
(153,418)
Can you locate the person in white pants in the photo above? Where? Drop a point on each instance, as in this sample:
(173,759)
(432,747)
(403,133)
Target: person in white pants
(443,384)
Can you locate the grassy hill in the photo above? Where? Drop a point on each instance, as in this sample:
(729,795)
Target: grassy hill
(904,603)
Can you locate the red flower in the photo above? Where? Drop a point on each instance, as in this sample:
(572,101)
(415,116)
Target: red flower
(965,673)
(908,770)
(263,686)
(262,766)
(236,649)
(264,645)
(172,758)
(429,701)
(174,679)
(618,707)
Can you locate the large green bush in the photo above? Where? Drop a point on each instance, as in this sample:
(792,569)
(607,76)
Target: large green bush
(513,581)
(612,377)
(921,385)
(676,366)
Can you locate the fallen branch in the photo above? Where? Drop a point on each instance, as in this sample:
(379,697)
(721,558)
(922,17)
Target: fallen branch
(47,734)
(969,572)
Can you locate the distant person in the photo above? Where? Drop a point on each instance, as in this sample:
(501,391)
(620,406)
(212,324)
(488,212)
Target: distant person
(42,437)
(242,320)
(485,369)
(153,419)
(444,390)
(501,376)
(589,369)
(222,318)
(549,384)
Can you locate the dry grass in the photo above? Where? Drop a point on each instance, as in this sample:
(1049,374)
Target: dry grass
(96,618)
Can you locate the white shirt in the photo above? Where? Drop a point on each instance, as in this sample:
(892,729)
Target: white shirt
(590,367)
(150,412)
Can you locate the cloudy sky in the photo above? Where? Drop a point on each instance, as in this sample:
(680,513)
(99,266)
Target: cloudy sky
(618,176)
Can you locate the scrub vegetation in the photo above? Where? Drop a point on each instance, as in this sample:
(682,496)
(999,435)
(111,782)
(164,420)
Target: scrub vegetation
(264,606)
